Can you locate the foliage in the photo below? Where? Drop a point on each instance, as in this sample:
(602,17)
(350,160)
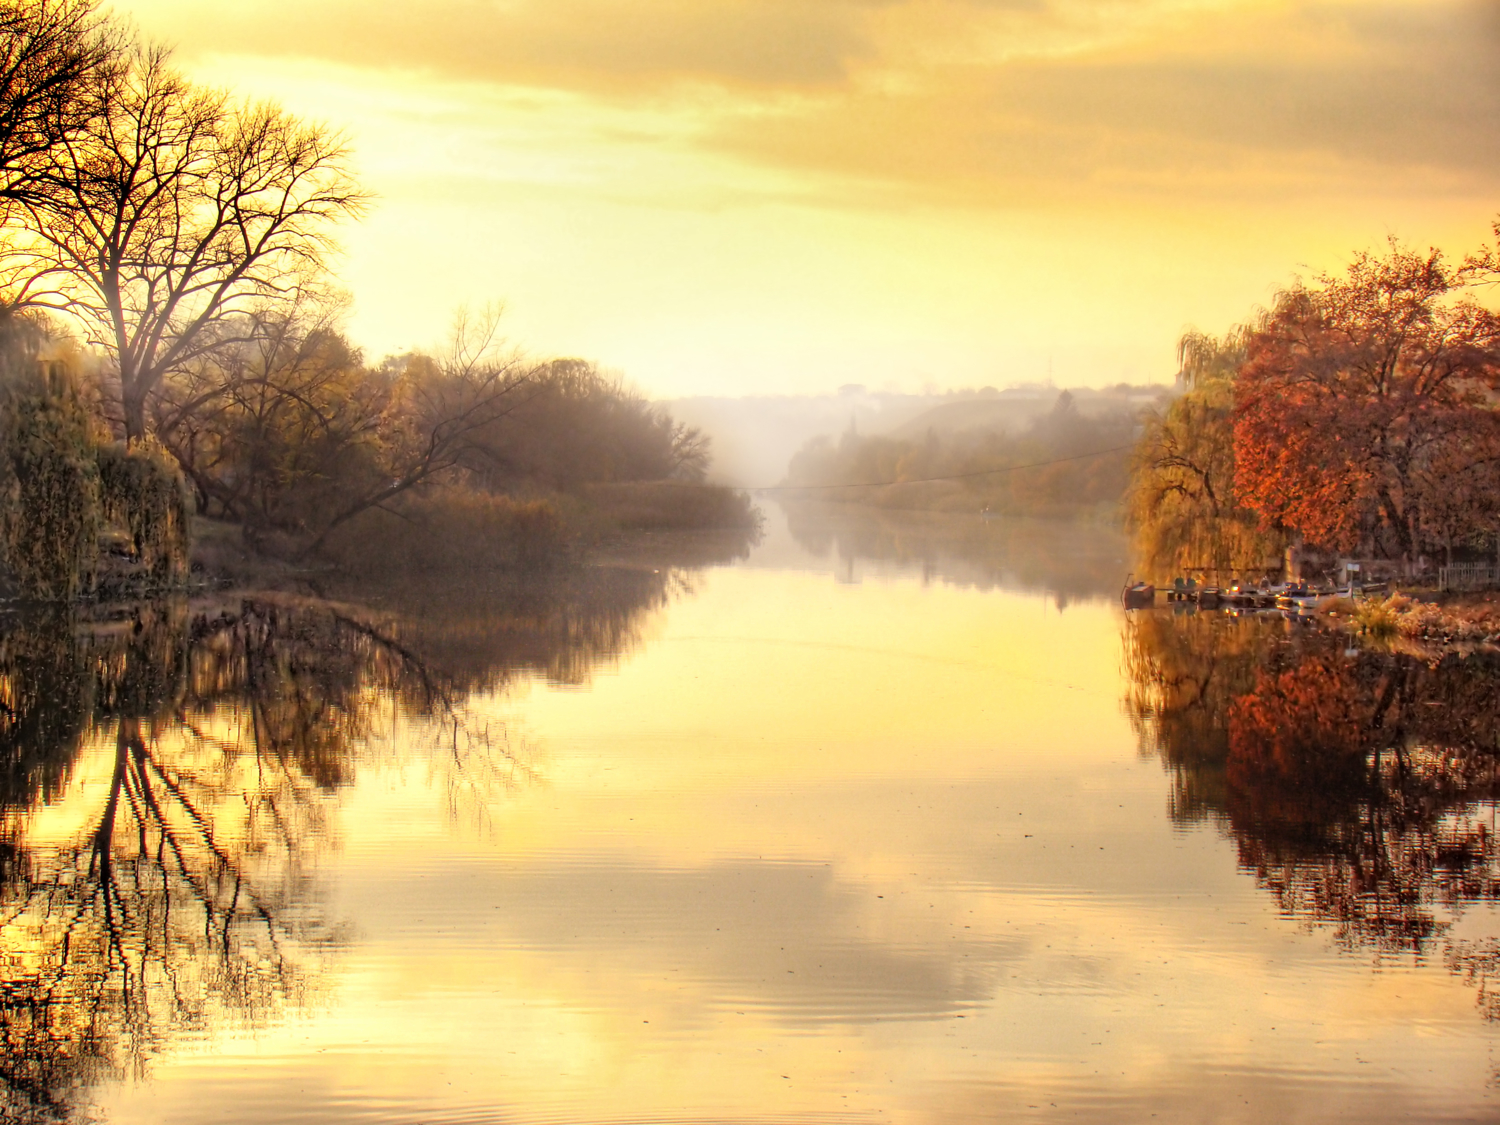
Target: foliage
(49,496)
(63,485)
(1426,621)
(49,480)
(670,506)
(275,430)
(142,490)
(1181,505)
(576,426)
(1378,617)
(448,530)
(291,433)
(1364,413)
(991,466)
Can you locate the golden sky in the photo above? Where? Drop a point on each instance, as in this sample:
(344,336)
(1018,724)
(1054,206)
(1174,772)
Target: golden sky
(765,196)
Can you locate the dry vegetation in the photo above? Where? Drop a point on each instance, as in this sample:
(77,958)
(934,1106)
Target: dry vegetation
(1450,619)
(181,236)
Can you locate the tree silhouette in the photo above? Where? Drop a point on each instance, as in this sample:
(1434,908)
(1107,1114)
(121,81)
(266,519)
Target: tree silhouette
(175,212)
(189,899)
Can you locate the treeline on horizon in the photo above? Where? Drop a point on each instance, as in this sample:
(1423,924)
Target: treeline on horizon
(1356,417)
(171,344)
(1063,462)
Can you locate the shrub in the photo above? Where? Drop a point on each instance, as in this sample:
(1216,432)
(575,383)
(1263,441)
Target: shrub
(49,496)
(450,530)
(1380,618)
(142,490)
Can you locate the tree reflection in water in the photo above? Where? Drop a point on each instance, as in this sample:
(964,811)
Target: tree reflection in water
(1069,560)
(1360,786)
(193,751)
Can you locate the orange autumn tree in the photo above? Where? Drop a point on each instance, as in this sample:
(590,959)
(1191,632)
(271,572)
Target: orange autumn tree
(1365,412)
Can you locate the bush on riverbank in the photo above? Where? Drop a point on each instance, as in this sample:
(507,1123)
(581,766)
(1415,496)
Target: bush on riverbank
(454,530)
(1471,620)
(450,531)
(79,514)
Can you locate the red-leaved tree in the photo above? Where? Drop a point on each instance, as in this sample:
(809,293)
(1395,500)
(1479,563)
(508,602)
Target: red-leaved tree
(1365,413)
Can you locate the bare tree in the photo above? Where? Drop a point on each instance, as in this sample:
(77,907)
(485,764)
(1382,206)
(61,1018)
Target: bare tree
(434,411)
(56,56)
(176,212)
(265,429)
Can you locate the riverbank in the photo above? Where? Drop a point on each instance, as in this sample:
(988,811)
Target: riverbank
(1436,620)
(467,534)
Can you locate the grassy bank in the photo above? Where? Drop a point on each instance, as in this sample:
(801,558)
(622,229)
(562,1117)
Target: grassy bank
(1433,618)
(453,532)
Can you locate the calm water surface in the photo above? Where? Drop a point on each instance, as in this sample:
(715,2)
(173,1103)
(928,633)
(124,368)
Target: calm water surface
(893,819)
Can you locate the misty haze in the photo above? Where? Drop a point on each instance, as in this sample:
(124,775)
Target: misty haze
(925,562)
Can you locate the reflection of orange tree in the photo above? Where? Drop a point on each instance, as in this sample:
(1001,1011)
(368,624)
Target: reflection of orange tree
(1184,673)
(1359,787)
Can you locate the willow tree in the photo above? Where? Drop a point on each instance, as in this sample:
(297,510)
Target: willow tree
(50,515)
(1182,507)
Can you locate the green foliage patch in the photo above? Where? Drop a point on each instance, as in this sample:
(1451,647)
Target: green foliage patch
(142,491)
(64,485)
(50,511)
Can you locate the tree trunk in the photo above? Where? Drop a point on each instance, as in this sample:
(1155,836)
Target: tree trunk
(1397,521)
(133,406)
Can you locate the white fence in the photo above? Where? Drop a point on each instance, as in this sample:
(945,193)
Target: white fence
(1468,576)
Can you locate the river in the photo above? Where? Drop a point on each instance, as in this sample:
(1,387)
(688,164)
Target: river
(882,818)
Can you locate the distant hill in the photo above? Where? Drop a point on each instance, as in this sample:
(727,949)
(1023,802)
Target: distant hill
(754,437)
(1006,413)
(1012,411)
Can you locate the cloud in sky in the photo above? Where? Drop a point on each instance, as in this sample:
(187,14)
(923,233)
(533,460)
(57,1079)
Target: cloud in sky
(982,94)
(799,193)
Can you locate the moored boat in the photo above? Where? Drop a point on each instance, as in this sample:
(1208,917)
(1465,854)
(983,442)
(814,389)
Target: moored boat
(1297,596)
(1243,595)
(1137,595)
